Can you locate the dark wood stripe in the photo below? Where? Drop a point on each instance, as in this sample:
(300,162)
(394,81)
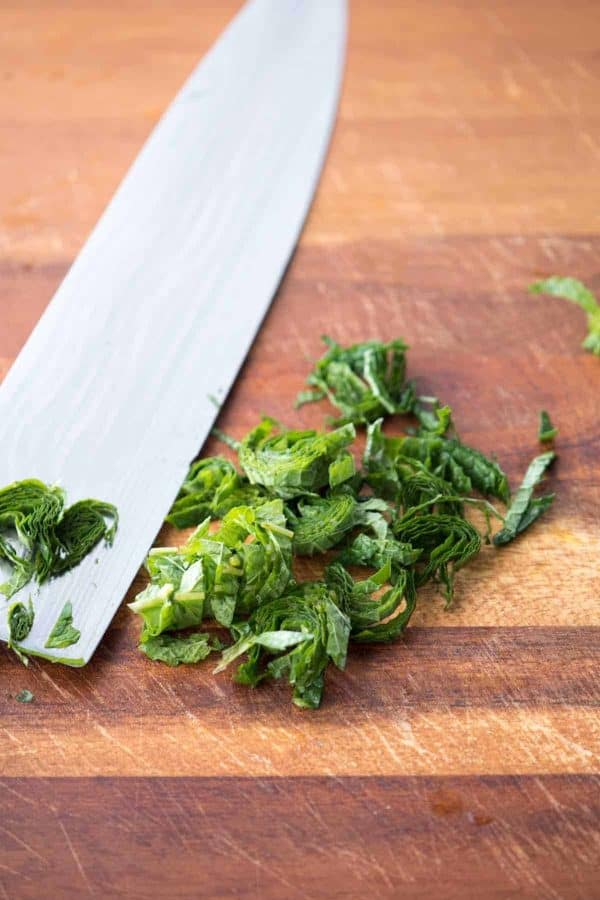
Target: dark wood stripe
(432,669)
(492,837)
(477,338)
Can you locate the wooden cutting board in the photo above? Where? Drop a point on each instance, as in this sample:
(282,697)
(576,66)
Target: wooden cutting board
(463,761)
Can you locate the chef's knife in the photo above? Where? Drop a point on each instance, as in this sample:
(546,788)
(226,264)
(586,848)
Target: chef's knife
(110,395)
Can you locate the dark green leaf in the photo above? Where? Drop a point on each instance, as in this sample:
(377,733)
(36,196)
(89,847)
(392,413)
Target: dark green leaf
(374,615)
(523,510)
(462,467)
(376,552)
(447,542)
(305,619)
(212,487)
(39,538)
(322,522)
(20,621)
(435,421)
(363,381)
(82,527)
(547,431)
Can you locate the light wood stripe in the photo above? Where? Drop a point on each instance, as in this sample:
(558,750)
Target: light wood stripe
(458,742)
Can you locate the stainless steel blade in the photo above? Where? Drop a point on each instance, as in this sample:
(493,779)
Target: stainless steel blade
(109,397)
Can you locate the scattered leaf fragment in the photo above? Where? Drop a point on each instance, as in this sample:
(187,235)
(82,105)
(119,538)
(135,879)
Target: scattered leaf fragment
(63,634)
(174,651)
(524,510)
(547,431)
(364,381)
(575,291)
(25,696)
(20,622)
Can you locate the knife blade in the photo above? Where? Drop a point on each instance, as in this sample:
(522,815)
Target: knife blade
(110,395)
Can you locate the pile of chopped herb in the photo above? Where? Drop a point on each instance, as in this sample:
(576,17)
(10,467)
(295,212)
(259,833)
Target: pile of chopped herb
(400,516)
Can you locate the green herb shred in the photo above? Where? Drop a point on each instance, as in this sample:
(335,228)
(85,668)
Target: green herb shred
(524,509)
(400,517)
(174,651)
(547,431)
(364,381)
(63,634)
(573,290)
(20,622)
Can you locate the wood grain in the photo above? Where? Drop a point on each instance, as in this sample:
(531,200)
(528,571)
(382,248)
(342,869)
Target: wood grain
(439,838)
(477,701)
(462,762)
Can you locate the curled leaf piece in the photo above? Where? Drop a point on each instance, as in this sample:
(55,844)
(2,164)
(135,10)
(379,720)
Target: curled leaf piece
(375,614)
(573,290)
(364,381)
(446,542)
(319,523)
(212,487)
(463,468)
(39,538)
(20,622)
(294,463)
(303,630)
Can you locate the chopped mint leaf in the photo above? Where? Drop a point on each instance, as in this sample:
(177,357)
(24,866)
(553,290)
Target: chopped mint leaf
(63,634)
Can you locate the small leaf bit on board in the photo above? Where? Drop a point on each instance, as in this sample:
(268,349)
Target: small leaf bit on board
(25,696)
(547,431)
